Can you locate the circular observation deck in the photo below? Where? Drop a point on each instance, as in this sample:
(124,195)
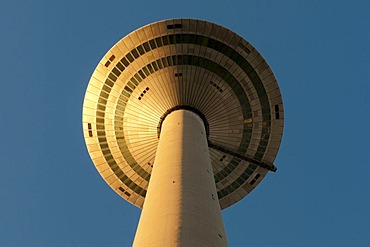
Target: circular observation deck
(183,64)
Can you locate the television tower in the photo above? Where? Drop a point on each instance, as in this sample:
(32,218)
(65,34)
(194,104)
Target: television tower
(182,118)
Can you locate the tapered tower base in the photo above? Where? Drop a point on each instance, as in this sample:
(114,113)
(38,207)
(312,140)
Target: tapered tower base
(181,207)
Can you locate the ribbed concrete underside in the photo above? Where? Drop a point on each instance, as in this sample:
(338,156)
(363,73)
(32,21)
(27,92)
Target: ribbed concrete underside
(183,62)
(181,206)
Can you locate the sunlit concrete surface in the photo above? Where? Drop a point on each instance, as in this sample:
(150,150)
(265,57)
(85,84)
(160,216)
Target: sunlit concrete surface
(181,207)
(183,65)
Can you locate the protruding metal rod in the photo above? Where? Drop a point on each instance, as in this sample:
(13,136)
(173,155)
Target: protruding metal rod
(270,167)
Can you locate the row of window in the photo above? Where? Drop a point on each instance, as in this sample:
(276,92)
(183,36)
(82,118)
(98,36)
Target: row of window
(174,60)
(217,69)
(106,151)
(179,59)
(197,40)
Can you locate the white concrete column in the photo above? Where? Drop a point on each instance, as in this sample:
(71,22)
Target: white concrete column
(181,207)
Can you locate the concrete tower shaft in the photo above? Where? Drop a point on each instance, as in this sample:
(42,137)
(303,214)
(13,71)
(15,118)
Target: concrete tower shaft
(181,206)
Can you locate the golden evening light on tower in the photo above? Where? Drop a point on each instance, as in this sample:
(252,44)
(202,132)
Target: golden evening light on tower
(183,118)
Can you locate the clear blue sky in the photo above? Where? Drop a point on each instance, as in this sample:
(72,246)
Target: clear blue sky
(319,50)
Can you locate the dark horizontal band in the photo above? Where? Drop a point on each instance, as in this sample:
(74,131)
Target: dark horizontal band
(183,107)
